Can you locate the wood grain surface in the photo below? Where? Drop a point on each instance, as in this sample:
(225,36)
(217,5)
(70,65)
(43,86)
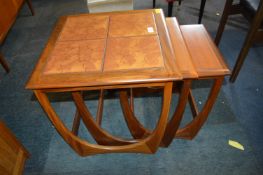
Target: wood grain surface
(138,53)
(132,25)
(76,56)
(84,27)
(206,57)
(106,49)
(182,56)
(12,153)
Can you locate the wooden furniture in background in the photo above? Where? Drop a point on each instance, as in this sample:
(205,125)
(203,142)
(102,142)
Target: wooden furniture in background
(171,3)
(12,153)
(125,51)
(253,11)
(8,11)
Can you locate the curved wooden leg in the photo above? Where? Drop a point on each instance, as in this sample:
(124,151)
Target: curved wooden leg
(174,123)
(131,100)
(136,128)
(76,123)
(192,128)
(156,136)
(193,106)
(100,107)
(82,147)
(257,21)
(223,21)
(77,117)
(139,131)
(100,135)
(148,145)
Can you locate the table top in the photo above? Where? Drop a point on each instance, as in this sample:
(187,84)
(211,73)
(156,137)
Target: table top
(103,49)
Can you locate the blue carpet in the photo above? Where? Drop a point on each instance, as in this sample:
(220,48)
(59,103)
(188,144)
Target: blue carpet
(237,114)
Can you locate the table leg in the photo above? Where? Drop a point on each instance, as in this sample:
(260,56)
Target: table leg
(170,8)
(192,128)
(147,145)
(139,131)
(136,128)
(131,100)
(99,134)
(201,11)
(192,104)
(223,20)
(100,107)
(77,118)
(255,26)
(175,121)
(76,123)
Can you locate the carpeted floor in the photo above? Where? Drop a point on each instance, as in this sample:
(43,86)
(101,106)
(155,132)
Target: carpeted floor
(237,114)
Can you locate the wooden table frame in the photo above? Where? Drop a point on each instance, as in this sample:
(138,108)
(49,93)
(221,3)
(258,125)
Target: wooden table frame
(106,142)
(200,117)
(145,141)
(172,129)
(179,68)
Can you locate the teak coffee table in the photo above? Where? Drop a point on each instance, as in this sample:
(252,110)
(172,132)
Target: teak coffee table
(125,51)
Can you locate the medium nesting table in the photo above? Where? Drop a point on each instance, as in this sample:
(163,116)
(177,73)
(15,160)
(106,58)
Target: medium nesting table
(124,51)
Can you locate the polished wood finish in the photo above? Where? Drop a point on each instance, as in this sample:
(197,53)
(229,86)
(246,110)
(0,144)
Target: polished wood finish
(138,24)
(85,32)
(64,55)
(144,59)
(76,123)
(156,64)
(182,56)
(156,53)
(12,153)
(254,34)
(193,105)
(83,148)
(139,53)
(193,127)
(207,59)
(209,64)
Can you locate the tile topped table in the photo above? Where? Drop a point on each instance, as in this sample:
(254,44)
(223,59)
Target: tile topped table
(118,50)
